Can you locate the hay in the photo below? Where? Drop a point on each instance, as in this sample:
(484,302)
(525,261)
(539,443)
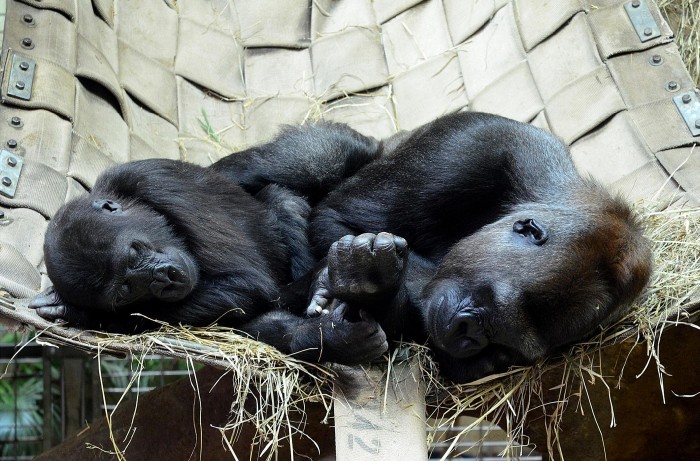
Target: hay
(684,18)
(671,298)
(280,385)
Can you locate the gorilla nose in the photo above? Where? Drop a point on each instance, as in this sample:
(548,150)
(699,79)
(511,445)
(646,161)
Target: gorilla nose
(167,273)
(465,335)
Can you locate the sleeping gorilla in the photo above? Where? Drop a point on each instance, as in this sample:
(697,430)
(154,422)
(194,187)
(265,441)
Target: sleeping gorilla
(512,254)
(183,244)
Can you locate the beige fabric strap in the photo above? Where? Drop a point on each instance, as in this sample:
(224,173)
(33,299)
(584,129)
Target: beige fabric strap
(120,80)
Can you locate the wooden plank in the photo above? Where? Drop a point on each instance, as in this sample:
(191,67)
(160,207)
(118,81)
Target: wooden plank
(376,420)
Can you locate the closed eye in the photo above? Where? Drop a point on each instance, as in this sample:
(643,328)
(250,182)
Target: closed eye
(134,256)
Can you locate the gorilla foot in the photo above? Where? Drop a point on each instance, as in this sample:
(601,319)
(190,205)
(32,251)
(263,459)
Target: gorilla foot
(348,336)
(367,267)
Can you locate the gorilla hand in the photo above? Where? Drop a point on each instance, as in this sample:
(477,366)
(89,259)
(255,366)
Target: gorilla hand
(363,270)
(50,306)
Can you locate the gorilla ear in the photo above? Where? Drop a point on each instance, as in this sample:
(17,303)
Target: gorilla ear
(108,206)
(532,230)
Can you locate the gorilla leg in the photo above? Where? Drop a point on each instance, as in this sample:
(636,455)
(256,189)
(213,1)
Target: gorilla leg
(292,213)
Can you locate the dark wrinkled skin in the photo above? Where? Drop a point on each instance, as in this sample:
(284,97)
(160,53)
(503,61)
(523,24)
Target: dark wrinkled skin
(178,243)
(512,254)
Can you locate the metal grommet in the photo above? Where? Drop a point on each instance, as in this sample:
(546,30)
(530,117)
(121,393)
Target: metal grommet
(16,121)
(656,60)
(27,43)
(672,86)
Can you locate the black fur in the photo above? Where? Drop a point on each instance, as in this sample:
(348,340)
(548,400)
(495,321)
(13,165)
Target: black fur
(512,253)
(179,243)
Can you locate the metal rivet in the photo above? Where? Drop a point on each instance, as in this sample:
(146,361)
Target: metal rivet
(2,214)
(12,162)
(697,123)
(686,98)
(16,121)
(635,4)
(647,31)
(656,60)
(28,18)
(19,85)
(24,65)
(11,143)
(7,182)
(27,42)
(672,85)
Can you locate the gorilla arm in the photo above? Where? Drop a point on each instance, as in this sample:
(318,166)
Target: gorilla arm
(309,160)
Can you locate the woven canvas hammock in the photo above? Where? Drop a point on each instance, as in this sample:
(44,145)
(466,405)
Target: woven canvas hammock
(88,84)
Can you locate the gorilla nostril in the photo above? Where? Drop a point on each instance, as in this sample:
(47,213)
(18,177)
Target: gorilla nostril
(176,275)
(465,334)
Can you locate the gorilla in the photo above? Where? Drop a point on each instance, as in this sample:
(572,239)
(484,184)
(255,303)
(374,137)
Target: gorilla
(179,243)
(513,255)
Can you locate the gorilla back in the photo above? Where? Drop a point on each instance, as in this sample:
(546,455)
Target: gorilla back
(513,254)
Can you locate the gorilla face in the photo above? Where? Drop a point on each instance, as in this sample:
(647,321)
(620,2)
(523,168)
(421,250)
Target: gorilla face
(107,254)
(536,279)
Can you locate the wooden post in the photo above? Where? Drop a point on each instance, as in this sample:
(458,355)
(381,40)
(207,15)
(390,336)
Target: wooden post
(376,420)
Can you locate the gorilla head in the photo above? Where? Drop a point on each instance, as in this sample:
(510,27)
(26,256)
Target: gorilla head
(538,278)
(108,254)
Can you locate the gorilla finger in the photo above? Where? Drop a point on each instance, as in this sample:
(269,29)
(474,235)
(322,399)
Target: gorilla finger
(321,298)
(318,303)
(363,241)
(375,351)
(48,297)
(341,310)
(345,242)
(384,242)
(51,312)
(377,333)
(340,251)
(401,245)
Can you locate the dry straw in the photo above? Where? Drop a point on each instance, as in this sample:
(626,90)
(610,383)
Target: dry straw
(281,386)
